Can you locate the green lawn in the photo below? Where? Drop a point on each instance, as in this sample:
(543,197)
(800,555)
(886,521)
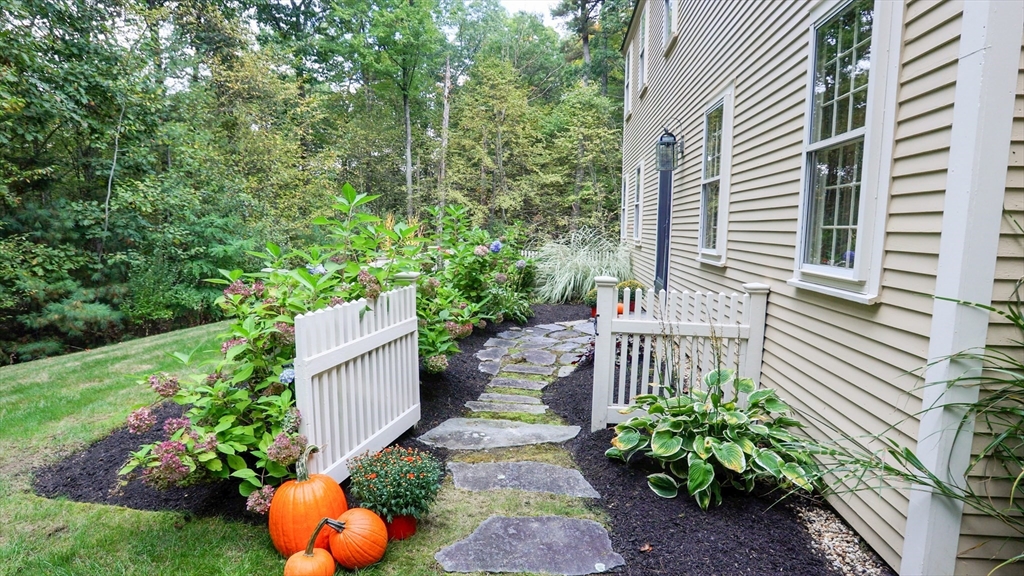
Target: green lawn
(50,408)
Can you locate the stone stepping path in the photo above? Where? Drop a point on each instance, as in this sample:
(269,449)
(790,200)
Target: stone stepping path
(484,433)
(544,544)
(526,476)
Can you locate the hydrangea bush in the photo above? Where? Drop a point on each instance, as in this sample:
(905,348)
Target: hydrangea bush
(241,420)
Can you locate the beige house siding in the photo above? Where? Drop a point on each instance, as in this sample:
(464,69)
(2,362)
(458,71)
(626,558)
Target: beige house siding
(844,361)
(981,537)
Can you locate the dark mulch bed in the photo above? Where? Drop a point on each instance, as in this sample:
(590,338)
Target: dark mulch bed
(746,535)
(91,475)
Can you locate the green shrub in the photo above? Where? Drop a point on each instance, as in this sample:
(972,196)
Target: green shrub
(566,267)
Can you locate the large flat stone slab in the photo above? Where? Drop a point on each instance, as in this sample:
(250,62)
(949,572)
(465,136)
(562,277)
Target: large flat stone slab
(565,347)
(586,328)
(548,327)
(529,369)
(565,334)
(483,433)
(490,367)
(512,334)
(542,544)
(477,406)
(515,398)
(503,342)
(538,357)
(528,476)
(492,353)
(565,371)
(522,384)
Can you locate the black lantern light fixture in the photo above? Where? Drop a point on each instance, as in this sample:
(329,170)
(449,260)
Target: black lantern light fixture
(665,151)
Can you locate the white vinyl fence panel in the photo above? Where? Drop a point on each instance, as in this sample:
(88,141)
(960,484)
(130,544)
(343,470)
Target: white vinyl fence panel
(357,376)
(666,340)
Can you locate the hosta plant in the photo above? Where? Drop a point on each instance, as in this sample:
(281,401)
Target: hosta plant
(706,442)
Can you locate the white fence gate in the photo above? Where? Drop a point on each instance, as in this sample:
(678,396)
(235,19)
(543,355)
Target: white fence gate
(665,339)
(357,376)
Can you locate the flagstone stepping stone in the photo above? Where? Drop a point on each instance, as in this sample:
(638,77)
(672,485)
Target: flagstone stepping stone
(569,358)
(544,544)
(534,342)
(528,369)
(492,353)
(564,347)
(549,327)
(581,340)
(489,397)
(565,371)
(511,335)
(476,406)
(519,383)
(587,327)
(539,357)
(484,433)
(500,342)
(491,367)
(566,335)
(528,476)
(540,330)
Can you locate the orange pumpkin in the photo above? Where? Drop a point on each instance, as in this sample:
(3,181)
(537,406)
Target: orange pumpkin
(313,561)
(360,538)
(620,307)
(298,505)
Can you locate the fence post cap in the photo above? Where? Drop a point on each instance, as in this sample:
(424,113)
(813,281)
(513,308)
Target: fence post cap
(407,277)
(605,281)
(756,288)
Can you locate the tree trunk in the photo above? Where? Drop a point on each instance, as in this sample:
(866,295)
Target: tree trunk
(442,168)
(585,39)
(408,157)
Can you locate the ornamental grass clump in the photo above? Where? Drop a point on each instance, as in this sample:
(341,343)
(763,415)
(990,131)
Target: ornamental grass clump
(396,481)
(566,267)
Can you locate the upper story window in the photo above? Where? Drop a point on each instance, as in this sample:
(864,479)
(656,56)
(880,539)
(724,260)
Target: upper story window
(626,91)
(622,209)
(641,69)
(670,20)
(715,169)
(638,199)
(848,147)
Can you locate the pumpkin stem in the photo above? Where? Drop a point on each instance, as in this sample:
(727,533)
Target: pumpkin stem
(301,470)
(336,525)
(312,539)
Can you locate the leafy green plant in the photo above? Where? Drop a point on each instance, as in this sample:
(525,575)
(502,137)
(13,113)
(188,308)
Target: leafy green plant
(396,481)
(590,298)
(705,442)
(566,267)
(631,285)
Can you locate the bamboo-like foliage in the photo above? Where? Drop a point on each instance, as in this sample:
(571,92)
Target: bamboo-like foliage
(566,267)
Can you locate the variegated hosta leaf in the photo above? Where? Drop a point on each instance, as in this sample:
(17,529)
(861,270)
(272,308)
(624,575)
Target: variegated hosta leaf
(745,385)
(663,485)
(795,473)
(761,394)
(645,398)
(665,444)
(758,429)
(655,409)
(734,417)
(717,378)
(770,461)
(745,444)
(701,447)
(776,405)
(699,477)
(613,453)
(679,468)
(731,456)
(703,499)
(626,440)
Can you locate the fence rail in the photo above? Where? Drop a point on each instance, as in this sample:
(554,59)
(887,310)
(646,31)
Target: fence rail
(357,376)
(666,340)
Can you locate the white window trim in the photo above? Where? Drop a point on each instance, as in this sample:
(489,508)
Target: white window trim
(638,202)
(642,55)
(862,283)
(717,256)
(623,208)
(627,92)
(671,32)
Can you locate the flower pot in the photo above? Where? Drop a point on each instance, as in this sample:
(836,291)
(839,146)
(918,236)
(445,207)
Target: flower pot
(620,308)
(593,311)
(401,527)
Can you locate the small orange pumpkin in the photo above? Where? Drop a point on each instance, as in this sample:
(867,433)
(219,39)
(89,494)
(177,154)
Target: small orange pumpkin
(360,538)
(312,561)
(299,504)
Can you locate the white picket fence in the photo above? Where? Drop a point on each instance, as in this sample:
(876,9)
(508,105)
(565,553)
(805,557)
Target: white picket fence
(357,376)
(666,341)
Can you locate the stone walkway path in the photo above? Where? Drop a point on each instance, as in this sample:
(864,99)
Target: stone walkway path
(523,360)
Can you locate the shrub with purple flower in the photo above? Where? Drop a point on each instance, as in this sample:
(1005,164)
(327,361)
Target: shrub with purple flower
(287,376)
(259,500)
(164,385)
(481,250)
(436,364)
(238,288)
(292,420)
(286,449)
(141,420)
(172,425)
(287,332)
(318,270)
(228,345)
(520,264)
(501,277)
(170,469)
(496,246)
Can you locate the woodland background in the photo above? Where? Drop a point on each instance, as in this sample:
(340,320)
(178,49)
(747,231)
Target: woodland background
(145,144)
